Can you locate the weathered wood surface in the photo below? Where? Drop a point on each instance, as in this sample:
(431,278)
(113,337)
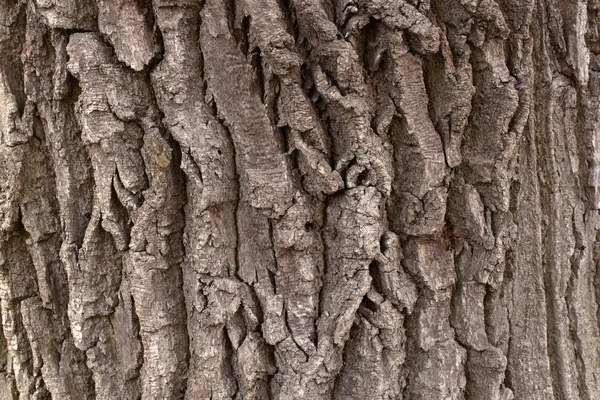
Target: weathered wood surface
(300,199)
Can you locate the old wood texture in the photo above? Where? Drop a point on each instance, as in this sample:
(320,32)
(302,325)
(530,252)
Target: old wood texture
(300,199)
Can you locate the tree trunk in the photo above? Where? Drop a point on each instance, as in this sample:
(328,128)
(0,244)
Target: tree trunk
(300,199)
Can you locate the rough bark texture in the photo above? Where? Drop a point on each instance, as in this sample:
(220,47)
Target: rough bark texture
(300,199)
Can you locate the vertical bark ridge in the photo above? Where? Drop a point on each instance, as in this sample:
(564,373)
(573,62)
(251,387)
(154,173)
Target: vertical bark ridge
(53,367)
(376,352)
(265,181)
(130,30)
(479,205)
(562,135)
(8,384)
(148,231)
(591,112)
(207,162)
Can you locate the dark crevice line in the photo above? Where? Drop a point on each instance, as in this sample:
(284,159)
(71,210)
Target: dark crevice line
(326,252)
(136,323)
(256,60)
(576,261)
(232,362)
(550,280)
(232,273)
(178,172)
(337,380)
(151,15)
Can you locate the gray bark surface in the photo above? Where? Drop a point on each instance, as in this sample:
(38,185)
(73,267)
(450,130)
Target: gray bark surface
(300,199)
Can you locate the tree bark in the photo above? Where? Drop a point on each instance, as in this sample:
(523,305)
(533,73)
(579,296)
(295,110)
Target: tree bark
(300,199)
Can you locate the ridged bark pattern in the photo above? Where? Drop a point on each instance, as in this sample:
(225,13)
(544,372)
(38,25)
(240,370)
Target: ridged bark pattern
(300,199)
